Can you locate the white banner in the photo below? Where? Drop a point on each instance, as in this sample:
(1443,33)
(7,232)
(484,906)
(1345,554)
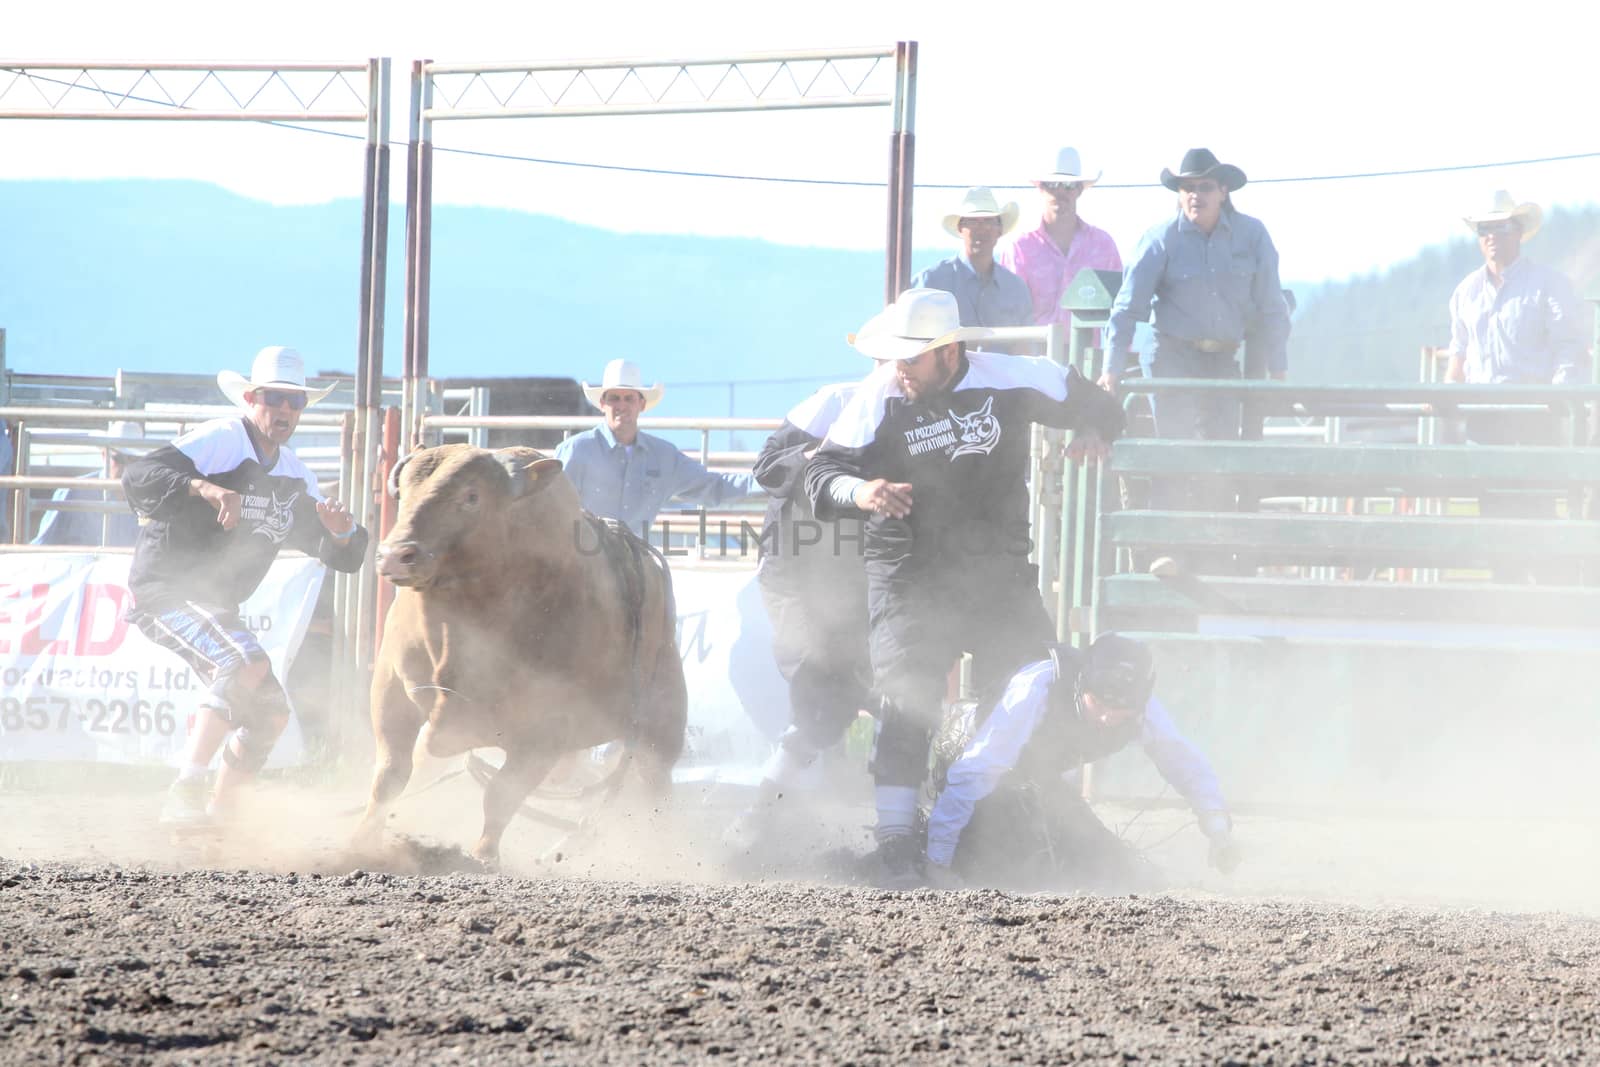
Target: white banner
(738,702)
(77,682)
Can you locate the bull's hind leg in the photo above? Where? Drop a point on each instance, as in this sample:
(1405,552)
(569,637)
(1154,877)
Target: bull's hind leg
(664,717)
(396,722)
(523,769)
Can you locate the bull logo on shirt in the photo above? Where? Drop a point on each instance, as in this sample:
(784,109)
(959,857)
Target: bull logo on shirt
(268,516)
(980,431)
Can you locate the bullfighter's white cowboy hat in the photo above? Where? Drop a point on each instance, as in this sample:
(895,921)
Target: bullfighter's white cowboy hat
(624,374)
(119,432)
(921,319)
(979,203)
(1069,168)
(275,367)
(1502,206)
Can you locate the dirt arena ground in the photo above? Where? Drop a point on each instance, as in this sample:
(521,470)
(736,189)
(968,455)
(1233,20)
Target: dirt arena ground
(1340,941)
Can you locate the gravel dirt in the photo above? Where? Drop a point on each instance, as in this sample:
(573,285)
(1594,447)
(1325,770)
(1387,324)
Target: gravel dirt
(1337,943)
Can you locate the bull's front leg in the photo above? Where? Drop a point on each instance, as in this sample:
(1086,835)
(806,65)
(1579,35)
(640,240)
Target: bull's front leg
(523,769)
(396,721)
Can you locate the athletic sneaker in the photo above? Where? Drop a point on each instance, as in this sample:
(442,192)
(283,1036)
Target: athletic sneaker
(186,803)
(897,863)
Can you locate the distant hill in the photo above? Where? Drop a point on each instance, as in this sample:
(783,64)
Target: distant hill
(1372,328)
(184,276)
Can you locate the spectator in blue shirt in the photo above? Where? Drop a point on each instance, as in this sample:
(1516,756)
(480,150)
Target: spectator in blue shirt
(114,529)
(1207,280)
(986,293)
(623,474)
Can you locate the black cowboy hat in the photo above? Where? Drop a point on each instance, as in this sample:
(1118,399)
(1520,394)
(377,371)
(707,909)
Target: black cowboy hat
(1200,163)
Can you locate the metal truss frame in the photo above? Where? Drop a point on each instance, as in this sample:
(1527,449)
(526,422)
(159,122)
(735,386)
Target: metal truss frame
(262,92)
(770,81)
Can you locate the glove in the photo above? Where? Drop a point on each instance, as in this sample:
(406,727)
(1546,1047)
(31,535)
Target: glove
(1224,854)
(1090,407)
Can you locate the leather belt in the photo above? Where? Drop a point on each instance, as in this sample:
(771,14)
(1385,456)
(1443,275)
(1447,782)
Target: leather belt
(1218,348)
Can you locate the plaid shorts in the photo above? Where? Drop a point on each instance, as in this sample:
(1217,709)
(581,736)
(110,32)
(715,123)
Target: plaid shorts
(214,641)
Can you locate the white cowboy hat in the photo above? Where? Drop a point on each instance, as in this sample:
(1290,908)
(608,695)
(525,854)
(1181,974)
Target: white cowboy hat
(624,374)
(979,203)
(1502,206)
(275,367)
(921,319)
(119,432)
(1069,168)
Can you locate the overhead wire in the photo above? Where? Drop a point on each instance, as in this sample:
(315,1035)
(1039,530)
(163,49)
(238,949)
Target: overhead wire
(847,182)
(852,183)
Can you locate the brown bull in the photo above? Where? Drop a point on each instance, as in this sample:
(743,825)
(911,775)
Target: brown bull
(522,623)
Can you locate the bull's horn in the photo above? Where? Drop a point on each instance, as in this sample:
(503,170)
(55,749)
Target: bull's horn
(394,476)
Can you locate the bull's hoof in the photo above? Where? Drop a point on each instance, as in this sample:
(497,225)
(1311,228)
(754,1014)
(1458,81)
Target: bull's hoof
(488,856)
(367,841)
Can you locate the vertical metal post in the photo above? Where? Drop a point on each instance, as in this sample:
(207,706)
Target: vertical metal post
(359,589)
(19,465)
(1080,510)
(1051,473)
(1592,418)
(387,508)
(5,399)
(345,665)
(902,168)
(416,298)
(424,237)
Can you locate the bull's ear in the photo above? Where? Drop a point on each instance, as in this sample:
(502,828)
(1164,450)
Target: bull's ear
(530,469)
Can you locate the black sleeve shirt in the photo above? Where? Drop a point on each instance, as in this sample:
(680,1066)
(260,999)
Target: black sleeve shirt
(183,554)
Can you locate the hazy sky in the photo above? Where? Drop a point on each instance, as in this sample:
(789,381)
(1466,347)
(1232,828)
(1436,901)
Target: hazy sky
(1283,89)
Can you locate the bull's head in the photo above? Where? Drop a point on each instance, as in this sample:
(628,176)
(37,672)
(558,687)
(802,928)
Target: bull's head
(453,501)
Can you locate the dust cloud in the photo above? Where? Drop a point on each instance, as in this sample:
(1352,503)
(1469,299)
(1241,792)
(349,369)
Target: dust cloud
(1365,854)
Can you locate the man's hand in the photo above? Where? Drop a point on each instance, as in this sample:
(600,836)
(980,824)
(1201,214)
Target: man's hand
(1224,854)
(1087,447)
(335,519)
(228,503)
(1108,382)
(883,497)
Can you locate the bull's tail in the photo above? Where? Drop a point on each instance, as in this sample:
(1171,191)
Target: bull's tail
(657,699)
(632,559)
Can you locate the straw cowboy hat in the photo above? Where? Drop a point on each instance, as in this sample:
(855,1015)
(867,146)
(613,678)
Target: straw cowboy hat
(624,374)
(921,319)
(979,203)
(1502,206)
(1200,163)
(1069,168)
(275,367)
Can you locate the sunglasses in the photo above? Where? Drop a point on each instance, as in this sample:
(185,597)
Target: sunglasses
(273,398)
(1497,229)
(1061,187)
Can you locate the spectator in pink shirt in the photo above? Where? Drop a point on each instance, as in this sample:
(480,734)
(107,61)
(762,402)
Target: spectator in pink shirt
(1051,256)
